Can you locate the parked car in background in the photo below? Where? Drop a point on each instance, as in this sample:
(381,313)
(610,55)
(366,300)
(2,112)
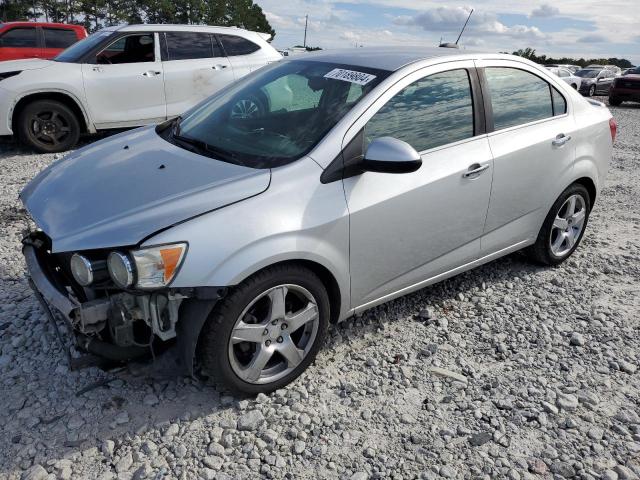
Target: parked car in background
(625,88)
(571,68)
(20,40)
(124,77)
(567,76)
(615,69)
(631,71)
(239,239)
(595,81)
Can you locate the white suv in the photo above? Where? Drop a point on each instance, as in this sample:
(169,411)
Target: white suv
(125,76)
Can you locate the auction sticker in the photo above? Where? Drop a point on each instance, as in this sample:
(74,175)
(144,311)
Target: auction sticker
(351,76)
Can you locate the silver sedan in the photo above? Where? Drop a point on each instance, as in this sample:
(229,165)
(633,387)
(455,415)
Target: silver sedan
(230,238)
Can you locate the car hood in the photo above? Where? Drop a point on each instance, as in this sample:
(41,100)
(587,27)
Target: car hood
(119,191)
(22,65)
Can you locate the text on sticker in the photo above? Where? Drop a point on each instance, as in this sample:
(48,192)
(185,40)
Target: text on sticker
(359,78)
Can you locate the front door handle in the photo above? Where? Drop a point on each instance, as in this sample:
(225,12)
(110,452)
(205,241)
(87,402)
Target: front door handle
(475,170)
(151,73)
(561,139)
(219,67)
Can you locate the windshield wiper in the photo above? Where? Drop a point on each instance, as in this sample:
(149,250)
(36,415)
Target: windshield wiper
(202,148)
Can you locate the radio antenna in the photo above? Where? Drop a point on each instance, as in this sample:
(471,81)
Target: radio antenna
(465,26)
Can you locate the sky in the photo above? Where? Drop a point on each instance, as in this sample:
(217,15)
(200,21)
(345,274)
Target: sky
(575,28)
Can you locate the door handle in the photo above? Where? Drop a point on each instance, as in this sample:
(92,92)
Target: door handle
(561,139)
(475,170)
(151,73)
(219,67)
(97,69)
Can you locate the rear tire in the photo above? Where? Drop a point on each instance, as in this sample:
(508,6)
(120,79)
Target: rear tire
(615,101)
(563,228)
(592,90)
(250,344)
(48,126)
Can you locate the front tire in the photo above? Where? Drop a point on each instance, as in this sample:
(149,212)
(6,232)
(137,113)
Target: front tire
(563,227)
(266,332)
(48,126)
(592,90)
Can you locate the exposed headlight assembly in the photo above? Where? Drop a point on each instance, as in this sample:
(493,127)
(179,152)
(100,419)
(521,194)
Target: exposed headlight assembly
(5,75)
(146,268)
(86,271)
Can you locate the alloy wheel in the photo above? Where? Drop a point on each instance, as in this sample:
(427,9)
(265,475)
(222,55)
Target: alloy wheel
(273,334)
(49,128)
(568,225)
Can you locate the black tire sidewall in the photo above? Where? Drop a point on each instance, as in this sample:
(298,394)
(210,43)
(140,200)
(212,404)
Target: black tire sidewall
(26,136)
(592,90)
(542,247)
(216,333)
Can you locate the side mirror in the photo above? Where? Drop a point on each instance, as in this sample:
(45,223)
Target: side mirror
(390,155)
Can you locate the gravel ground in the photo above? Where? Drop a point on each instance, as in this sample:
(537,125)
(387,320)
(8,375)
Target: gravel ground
(509,371)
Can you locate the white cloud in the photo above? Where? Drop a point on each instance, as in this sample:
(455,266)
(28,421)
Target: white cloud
(451,20)
(544,11)
(592,38)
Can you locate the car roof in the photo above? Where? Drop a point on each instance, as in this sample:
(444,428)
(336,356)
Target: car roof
(390,58)
(40,24)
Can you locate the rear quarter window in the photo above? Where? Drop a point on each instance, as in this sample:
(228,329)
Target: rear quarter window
(234,45)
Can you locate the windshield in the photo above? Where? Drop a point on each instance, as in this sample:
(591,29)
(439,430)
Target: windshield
(275,115)
(587,73)
(79,49)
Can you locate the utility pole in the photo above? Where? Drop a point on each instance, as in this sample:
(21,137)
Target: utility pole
(306,22)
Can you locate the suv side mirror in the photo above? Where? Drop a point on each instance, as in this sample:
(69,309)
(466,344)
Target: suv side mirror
(390,155)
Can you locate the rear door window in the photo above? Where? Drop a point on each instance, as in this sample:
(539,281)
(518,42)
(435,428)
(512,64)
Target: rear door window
(58,37)
(22,37)
(517,97)
(234,45)
(191,45)
(433,111)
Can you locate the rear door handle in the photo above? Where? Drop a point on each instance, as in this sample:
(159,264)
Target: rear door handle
(151,73)
(561,139)
(475,170)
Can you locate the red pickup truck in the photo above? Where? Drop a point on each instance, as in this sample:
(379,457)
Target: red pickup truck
(37,40)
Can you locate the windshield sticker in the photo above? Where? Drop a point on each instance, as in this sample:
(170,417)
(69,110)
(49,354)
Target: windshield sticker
(351,76)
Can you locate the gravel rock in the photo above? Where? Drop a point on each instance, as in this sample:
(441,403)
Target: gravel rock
(567,401)
(251,420)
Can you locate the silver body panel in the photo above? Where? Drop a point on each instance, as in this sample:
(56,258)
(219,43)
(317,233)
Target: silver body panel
(379,235)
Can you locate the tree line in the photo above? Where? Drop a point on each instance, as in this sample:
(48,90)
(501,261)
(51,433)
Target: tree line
(96,14)
(530,53)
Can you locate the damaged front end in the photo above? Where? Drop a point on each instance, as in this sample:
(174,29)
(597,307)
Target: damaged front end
(113,309)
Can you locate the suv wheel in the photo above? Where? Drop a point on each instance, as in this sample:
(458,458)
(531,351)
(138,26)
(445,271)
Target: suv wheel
(48,126)
(563,228)
(266,332)
(614,101)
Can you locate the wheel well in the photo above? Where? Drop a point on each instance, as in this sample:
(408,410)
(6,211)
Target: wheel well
(587,183)
(60,97)
(327,279)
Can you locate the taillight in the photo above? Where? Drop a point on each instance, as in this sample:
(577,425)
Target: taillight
(613,126)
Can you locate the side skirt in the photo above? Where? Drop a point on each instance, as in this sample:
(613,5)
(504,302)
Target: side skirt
(442,276)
